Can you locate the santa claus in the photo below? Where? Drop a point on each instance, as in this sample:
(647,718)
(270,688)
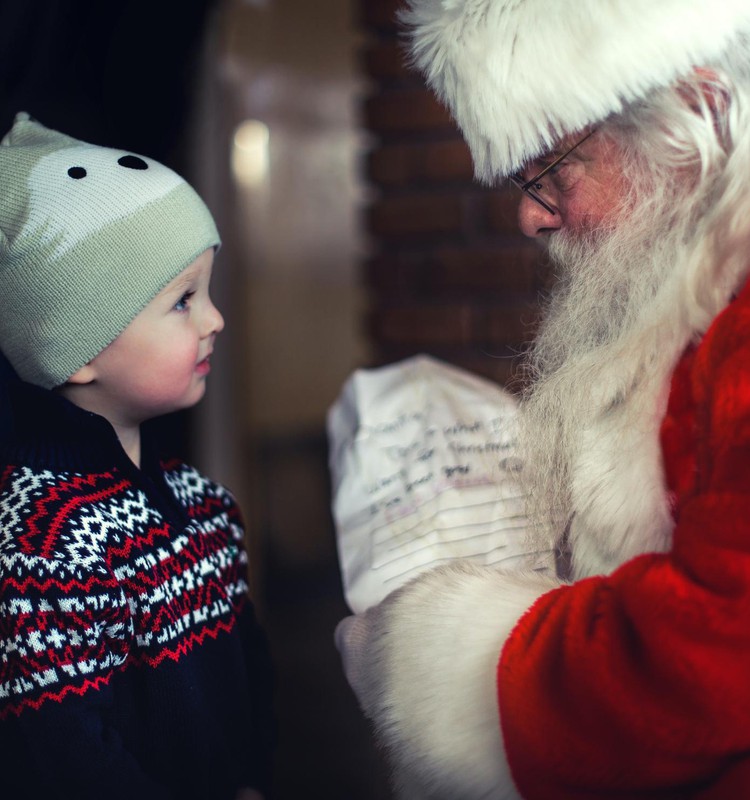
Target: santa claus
(626,124)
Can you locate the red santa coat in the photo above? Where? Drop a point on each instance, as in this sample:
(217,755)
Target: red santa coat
(631,685)
(637,684)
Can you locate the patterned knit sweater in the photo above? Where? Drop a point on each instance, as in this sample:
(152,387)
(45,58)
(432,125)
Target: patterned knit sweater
(130,662)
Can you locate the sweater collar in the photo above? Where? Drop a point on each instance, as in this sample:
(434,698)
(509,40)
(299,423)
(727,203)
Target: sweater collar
(42,427)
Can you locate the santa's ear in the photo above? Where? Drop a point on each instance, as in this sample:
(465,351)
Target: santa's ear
(86,374)
(706,94)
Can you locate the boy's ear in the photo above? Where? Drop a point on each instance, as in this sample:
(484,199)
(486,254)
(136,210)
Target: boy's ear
(82,376)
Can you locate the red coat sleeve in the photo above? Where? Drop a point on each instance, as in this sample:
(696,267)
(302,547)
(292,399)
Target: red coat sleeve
(638,684)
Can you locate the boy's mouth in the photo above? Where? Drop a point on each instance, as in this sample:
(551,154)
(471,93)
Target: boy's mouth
(203,367)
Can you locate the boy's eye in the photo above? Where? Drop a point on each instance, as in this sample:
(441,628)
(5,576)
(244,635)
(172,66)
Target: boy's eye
(184,302)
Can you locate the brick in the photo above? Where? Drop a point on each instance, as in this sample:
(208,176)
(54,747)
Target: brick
(395,273)
(416,214)
(456,271)
(406,111)
(448,160)
(388,61)
(511,325)
(487,268)
(423,325)
(452,276)
(393,166)
(432,163)
(502,210)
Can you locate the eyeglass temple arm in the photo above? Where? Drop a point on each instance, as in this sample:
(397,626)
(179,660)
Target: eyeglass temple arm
(526,186)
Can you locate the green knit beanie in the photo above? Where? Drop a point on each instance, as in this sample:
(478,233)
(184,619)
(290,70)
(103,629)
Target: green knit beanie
(88,236)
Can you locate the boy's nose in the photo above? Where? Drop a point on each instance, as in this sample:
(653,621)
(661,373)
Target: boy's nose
(214,321)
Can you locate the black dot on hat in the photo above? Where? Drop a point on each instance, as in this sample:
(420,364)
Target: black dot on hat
(77,173)
(132,162)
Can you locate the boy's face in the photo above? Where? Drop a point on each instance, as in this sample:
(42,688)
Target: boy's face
(159,363)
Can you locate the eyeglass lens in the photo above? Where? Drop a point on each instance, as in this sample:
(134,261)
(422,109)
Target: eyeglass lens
(532,186)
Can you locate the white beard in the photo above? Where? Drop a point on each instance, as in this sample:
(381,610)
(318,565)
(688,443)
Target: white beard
(618,497)
(602,365)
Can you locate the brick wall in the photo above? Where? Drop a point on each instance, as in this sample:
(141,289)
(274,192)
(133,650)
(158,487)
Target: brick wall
(448,273)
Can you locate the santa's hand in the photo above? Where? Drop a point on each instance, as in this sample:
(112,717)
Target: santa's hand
(423,665)
(354,639)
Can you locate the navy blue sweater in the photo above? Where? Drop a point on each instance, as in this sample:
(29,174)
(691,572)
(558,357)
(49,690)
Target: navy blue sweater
(131,665)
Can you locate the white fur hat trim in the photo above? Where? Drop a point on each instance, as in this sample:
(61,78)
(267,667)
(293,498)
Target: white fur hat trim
(518,74)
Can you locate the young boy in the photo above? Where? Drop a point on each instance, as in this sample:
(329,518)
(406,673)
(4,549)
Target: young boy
(131,666)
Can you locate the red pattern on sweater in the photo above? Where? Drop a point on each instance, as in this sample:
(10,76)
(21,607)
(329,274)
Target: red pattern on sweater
(100,581)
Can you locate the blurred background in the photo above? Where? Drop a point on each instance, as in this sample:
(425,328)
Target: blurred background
(353,236)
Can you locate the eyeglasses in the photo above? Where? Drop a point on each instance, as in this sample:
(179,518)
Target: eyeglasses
(534,186)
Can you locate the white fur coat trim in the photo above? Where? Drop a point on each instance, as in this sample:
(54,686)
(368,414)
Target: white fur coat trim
(433,679)
(517,74)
